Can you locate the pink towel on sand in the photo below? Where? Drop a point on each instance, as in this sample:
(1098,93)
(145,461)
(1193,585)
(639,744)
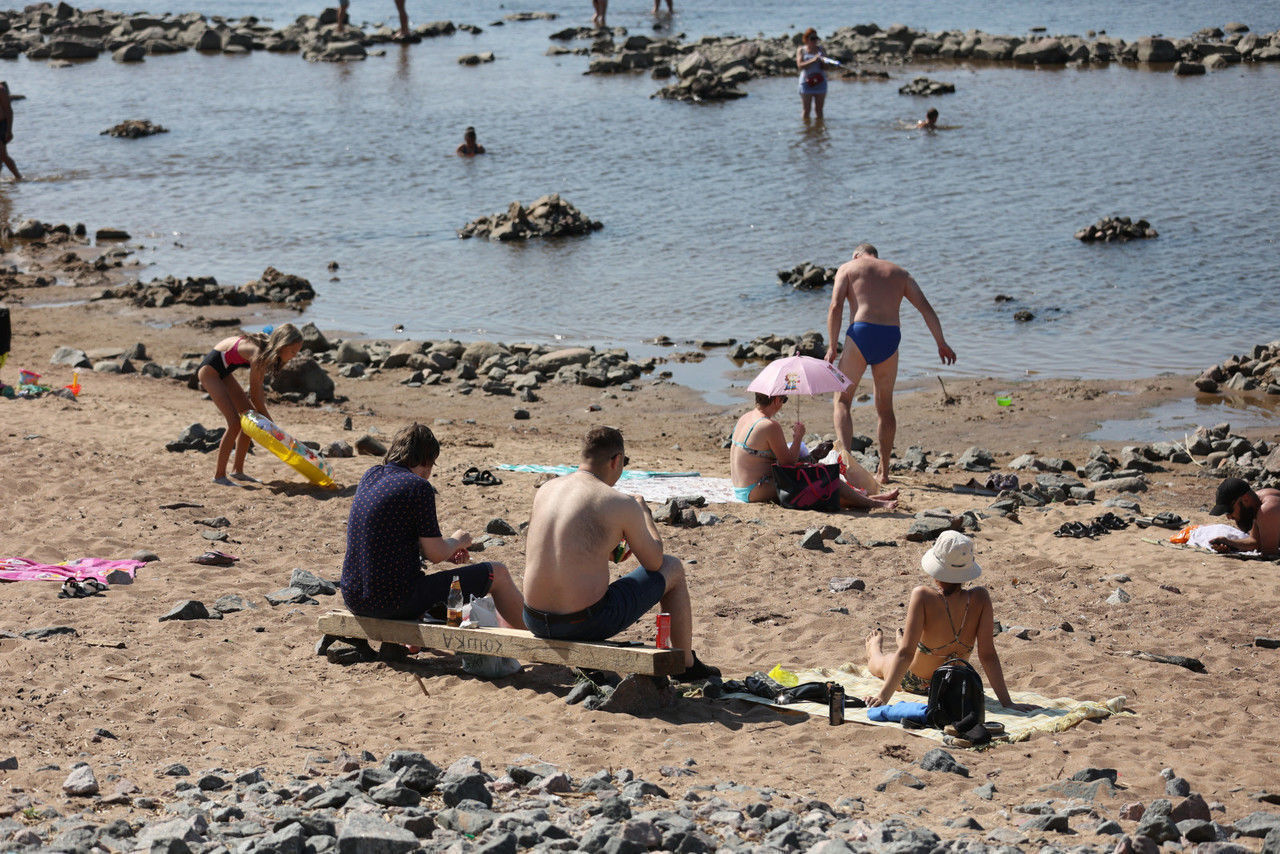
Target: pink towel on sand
(80,569)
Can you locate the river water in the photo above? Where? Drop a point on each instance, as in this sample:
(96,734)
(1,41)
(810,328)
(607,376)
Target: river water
(274,161)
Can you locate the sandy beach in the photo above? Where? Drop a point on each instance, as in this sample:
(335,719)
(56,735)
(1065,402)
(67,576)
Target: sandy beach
(91,478)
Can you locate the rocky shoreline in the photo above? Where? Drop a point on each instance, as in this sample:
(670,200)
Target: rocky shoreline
(354,804)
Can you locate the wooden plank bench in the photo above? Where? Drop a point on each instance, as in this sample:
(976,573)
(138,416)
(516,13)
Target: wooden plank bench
(512,643)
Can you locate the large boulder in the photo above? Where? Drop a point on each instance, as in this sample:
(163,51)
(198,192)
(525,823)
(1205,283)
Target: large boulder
(1156,50)
(549,363)
(1042,52)
(304,376)
(275,286)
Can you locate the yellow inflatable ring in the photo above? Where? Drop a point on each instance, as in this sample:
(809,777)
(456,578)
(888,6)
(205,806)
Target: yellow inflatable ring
(302,459)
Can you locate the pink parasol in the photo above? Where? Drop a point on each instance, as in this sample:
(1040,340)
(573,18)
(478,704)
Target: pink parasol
(799,375)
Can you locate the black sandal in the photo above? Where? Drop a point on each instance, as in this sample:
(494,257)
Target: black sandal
(486,478)
(469,476)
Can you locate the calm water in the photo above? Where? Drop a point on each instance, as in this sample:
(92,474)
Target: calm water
(275,161)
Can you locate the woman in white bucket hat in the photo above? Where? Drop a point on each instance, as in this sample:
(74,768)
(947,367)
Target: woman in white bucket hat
(944,621)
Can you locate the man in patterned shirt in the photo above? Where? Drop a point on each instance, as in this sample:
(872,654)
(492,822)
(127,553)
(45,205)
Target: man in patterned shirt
(393,525)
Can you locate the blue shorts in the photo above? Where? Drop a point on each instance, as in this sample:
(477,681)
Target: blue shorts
(625,602)
(875,341)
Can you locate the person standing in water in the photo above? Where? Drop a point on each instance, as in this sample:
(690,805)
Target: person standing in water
(469,146)
(6,131)
(810,59)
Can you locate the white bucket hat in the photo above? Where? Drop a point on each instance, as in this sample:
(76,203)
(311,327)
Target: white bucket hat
(951,559)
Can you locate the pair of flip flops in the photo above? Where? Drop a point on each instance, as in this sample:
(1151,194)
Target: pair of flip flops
(1104,524)
(72,589)
(477,477)
(1171,521)
(215,558)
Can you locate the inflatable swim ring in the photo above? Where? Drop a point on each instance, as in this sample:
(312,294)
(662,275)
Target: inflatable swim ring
(302,459)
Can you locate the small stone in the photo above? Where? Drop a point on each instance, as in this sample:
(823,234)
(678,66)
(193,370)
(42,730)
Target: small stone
(520,415)
(812,540)
(1178,787)
(500,527)
(189,609)
(1053,821)
(145,556)
(81,782)
(1109,828)
(1088,775)
(1119,597)
(843,584)
(940,760)
(986,791)
(905,778)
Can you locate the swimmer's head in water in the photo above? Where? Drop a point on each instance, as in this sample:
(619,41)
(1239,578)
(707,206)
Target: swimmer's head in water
(469,133)
(932,115)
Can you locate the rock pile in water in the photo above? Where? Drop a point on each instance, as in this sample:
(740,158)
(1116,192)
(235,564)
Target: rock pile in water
(1258,369)
(549,216)
(133,129)
(1116,228)
(62,32)
(274,286)
(699,79)
(808,276)
(925,87)
(766,348)
(1225,454)
(46,232)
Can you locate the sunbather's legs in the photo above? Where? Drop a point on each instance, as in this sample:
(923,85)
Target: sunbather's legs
(880,662)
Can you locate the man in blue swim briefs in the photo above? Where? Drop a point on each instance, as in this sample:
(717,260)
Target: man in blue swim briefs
(576,522)
(874,290)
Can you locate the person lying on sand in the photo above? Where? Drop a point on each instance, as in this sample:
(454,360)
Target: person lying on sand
(1256,512)
(576,522)
(264,356)
(758,442)
(392,525)
(942,622)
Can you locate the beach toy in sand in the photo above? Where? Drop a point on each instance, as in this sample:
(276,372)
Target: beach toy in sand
(293,453)
(74,388)
(1004,398)
(28,377)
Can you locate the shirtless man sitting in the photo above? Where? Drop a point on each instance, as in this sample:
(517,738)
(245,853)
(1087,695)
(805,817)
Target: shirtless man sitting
(576,522)
(1254,511)
(874,290)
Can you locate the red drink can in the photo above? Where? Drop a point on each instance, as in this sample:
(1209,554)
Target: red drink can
(664,631)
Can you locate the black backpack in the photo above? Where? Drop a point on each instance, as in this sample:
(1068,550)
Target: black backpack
(956,698)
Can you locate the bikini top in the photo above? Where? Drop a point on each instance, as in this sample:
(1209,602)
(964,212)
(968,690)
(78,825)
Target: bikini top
(234,351)
(954,631)
(766,454)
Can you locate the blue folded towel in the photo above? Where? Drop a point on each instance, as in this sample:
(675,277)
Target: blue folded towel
(898,712)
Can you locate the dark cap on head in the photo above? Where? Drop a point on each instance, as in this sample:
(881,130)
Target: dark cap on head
(1229,492)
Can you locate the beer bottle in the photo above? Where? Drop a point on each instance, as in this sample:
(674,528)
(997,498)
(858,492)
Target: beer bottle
(453,614)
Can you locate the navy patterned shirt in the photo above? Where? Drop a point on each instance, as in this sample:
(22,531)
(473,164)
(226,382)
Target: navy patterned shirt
(393,507)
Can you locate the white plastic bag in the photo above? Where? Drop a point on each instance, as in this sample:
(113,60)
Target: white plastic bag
(481,613)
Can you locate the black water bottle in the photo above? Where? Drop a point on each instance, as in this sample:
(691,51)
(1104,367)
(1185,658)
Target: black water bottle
(835,703)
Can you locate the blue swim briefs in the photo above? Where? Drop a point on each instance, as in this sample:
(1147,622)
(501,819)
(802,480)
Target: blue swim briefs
(875,341)
(625,602)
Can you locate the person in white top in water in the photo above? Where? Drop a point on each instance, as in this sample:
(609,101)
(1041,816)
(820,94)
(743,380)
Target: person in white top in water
(811,60)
